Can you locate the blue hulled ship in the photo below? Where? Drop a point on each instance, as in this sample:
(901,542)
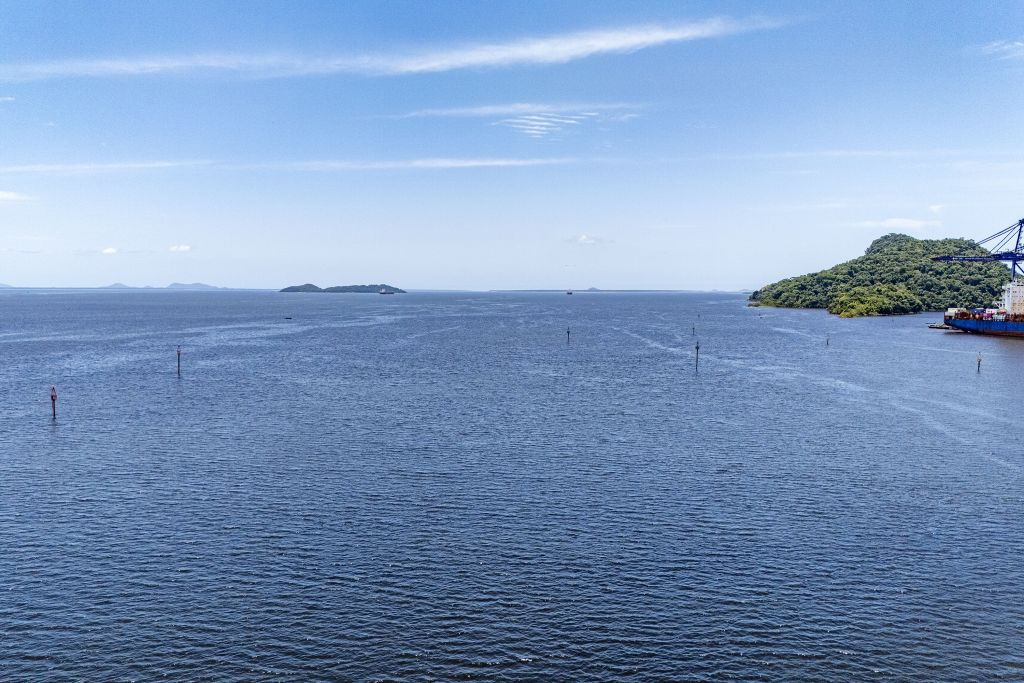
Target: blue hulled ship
(1006,317)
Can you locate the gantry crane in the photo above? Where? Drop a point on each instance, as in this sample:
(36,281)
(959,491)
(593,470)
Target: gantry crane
(1000,249)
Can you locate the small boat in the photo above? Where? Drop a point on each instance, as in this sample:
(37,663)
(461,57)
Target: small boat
(385,291)
(568,291)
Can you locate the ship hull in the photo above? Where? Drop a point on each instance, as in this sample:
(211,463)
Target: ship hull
(999,327)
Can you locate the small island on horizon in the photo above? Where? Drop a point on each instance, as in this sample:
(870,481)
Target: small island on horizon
(345,289)
(183,286)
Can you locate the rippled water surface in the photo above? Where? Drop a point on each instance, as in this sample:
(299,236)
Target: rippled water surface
(438,487)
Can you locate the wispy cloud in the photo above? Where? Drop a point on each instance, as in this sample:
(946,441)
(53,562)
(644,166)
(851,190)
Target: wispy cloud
(109,250)
(111,167)
(536,119)
(1005,49)
(319,165)
(830,154)
(517,109)
(179,248)
(899,224)
(6,98)
(807,206)
(400,164)
(552,49)
(585,240)
(8,196)
(543,125)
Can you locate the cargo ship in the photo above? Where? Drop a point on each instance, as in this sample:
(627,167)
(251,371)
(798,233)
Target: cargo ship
(1007,319)
(1007,316)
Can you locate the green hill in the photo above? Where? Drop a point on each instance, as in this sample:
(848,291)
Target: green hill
(346,289)
(895,275)
(308,287)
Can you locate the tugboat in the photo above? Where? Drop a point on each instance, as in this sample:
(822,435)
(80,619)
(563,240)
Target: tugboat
(1006,317)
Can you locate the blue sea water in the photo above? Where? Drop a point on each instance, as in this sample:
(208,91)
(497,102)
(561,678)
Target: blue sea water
(439,487)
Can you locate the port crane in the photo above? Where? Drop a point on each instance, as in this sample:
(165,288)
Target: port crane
(1000,249)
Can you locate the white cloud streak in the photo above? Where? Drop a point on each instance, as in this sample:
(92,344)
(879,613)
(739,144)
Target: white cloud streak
(543,125)
(398,165)
(555,49)
(109,250)
(899,224)
(6,98)
(534,119)
(179,248)
(112,167)
(1005,49)
(829,154)
(585,240)
(323,166)
(518,109)
(8,196)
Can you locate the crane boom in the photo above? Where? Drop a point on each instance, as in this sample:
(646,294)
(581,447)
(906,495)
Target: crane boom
(1011,235)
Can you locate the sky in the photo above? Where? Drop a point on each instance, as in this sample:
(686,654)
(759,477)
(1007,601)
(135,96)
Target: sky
(493,145)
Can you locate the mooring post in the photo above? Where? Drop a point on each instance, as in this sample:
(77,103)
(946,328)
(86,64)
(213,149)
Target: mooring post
(826,340)
(696,359)
(179,360)
(979,362)
(53,401)
(567,335)
(693,331)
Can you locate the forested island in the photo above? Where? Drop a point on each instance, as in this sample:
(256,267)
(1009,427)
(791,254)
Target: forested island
(346,289)
(894,276)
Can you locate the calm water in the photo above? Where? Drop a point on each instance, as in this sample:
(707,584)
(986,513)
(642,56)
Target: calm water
(438,487)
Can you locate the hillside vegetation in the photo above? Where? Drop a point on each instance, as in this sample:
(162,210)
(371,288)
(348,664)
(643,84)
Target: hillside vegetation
(894,276)
(345,289)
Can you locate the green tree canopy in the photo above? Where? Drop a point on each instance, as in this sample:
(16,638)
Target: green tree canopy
(895,275)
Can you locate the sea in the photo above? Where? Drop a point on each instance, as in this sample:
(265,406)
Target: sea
(503,487)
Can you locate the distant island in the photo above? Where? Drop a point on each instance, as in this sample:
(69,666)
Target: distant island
(181,286)
(895,276)
(193,286)
(346,289)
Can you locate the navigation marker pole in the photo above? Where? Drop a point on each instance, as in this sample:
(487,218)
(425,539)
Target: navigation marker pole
(979,362)
(53,402)
(179,360)
(567,335)
(696,360)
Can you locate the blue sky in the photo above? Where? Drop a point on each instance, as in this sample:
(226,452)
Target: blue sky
(497,145)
